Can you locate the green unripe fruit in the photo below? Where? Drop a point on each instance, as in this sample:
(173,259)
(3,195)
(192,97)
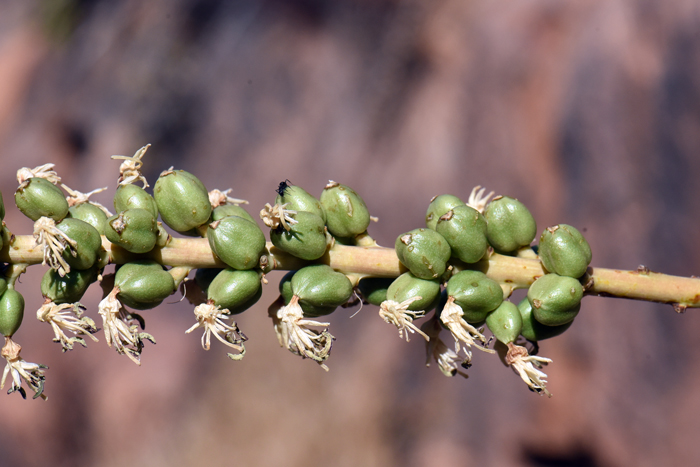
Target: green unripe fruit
(182,199)
(2,208)
(227,210)
(475,293)
(424,252)
(464,228)
(306,239)
(135,230)
(564,251)
(237,242)
(373,289)
(408,286)
(134,197)
(320,289)
(11,312)
(235,290)
(88,243)
(298,199)
(37,197)
(505,322)
(346,213)
(509,224)
(285,287)
(439,206)
(532,329)
(204,276)
(143,284)
(69,288)
(88,212)
(555,299)
(3,284)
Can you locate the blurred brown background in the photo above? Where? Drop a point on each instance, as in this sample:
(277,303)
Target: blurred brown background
(587,111)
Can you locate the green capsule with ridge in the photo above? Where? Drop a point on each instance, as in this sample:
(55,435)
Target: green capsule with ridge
(88,243)
(424,252)
(135,230)
(320,289)
(235,290)
(555,299)
(88,212)
(11,312)
(298,199)
(182,199)
(237,242)
(346,213)
(67,289)
(475,293)
(464,228)
(37,197)
(143,284)
(407,286)
(505,322)
(509,224)
(306,239)
(374,289)
(532,329)
(564,251)
(439,206)
(227,210)
(132,196)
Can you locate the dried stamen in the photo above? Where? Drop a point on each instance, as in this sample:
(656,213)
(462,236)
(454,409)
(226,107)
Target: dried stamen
(462,331)
(220,198)
(398,314)
(477,200)
(447,359)
(273,216)
(67,317)
(31,373)
(54,243)
(43,171)
(294,333)
(76,197)
(121,328)
(209,317)
(528,368)
(130,169)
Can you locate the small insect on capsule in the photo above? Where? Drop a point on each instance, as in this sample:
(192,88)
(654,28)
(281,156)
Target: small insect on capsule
(283,186)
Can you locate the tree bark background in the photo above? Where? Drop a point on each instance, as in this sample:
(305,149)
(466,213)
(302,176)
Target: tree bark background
(587,111)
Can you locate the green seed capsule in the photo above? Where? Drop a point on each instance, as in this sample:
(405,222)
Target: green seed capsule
(373,289)
(555,299)
(235,290)
(143,284)
(475,293)
(439,206)
(227,210)
(533,330)
(510,224)
(424,252)
(285,287)
(306,239)
(204,276)
(88,212)
(135,230)
(3,284)
(134,197)
(298,199)
(464,228)
(37,197)
(182,199)
(505,322)
(564,251)
(69,288)
(237,242)
(11,312)
(320,289)
(88,243)
(407,286)
(346,213)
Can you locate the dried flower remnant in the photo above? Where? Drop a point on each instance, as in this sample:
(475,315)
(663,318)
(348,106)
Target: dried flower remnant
(53,242)
(67,317)
(43,171)
(31,373)
(76,197)
(462,331)
(528,368)
(478,200)
(295,333)
(273,216)
(398,314)
(210,317)
(449,362)
(220,198)
(121,328)
(130,169)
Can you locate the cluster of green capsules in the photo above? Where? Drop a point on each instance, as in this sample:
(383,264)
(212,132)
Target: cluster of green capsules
(444,265)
